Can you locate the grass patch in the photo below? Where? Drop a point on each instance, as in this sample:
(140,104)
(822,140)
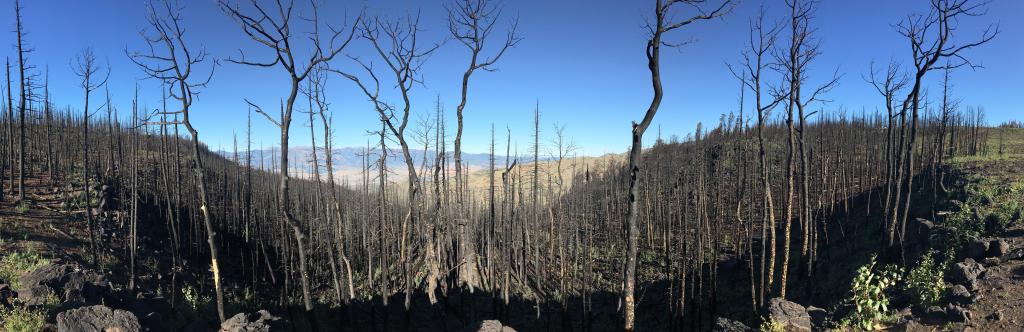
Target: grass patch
(21,319)
(22,207)
(17,263)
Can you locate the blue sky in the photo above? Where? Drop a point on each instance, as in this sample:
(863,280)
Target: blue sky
(583,62)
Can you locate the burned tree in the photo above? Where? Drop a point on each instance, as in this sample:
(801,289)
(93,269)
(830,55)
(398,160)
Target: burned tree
(660,26)
(755,61)
(931,39)
(803,49)
(169,60)
(396,43)
(273,30)
(86,68)
(471,23)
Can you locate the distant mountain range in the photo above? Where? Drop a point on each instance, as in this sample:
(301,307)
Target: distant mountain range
(348,161)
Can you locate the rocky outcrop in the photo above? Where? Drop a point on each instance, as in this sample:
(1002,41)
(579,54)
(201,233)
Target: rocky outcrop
(998,248)
(71,285)
(975,249)
(951,312)
(261,321)
(966,273)
(97,318)
(790,315)
(493,326)
(729,325)
(6,294)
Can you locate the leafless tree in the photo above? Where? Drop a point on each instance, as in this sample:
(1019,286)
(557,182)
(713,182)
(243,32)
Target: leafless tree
(471,23)
(663,23)
(271,27)
(169,60)
(396,43)
(88,71)
(755,60)
(932,38)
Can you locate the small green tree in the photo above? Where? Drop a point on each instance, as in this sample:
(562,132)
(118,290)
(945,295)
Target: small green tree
(924,282)
(868,295)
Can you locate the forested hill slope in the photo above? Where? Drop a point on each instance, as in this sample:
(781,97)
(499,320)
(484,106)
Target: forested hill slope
(544,256)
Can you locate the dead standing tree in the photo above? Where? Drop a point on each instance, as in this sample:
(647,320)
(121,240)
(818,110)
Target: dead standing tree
(931,39)
(396,44)
(762,41)
(274,31)
(662,25)
(471,22)
(86,68)
(23,98)
(169,60)
(803,49)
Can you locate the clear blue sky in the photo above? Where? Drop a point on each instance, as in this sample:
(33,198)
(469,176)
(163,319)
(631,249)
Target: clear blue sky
(582,60)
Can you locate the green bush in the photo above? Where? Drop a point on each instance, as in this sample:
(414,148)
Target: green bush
(924,284)
(868,295)
(17,263)
(769,325)
(22,207)
(21,319)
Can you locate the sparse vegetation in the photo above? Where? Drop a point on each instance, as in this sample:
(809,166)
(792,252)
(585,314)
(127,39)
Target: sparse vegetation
(17,263)
(736,215)
(923,284)
(868,295)
(22,319)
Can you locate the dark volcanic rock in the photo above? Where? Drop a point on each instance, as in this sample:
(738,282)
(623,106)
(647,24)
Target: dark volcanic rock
(960,294)
(97,318)
(6,294)
(975,249)
(817,316)
(729,325)
(998,248)
(790,315)
(957,313)
(966,273)
(71,285)
(261,321)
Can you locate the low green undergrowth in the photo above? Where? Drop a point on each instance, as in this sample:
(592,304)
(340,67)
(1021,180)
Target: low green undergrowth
(22,319)
(17,263)
(923,284)
(868,295)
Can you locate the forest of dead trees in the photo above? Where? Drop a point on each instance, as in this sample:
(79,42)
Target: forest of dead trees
(763,187)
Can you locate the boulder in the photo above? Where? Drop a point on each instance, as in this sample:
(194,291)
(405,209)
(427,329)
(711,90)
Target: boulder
(97,318)
(261,321)
(959,294)
(951,313)
(998,248)
(957,313)
(6,294)
(493,326)
(818,316)
(790,315)
(71,285)
(975,249)
(728,325)
(966,273)
(991,261)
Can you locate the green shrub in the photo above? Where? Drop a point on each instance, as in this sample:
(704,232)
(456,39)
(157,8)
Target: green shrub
(22,207)
(868,295)
(965,225)
(21,319)
(924,283)
(17,263)
(769,325)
